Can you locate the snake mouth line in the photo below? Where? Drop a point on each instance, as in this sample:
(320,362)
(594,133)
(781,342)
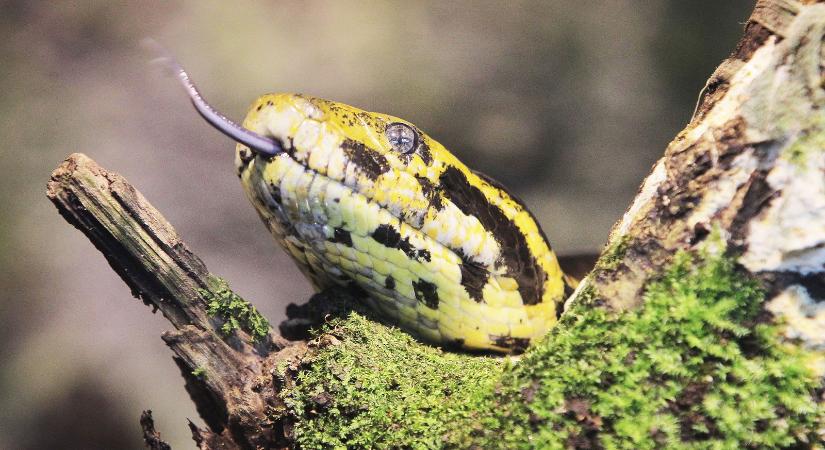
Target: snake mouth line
(307,210)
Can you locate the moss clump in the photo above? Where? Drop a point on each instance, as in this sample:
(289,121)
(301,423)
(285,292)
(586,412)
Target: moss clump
(199,372)
(692,368)
(235,312)
(695,366)
(378,388)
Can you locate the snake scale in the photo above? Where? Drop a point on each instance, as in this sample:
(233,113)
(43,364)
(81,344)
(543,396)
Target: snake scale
(363,198)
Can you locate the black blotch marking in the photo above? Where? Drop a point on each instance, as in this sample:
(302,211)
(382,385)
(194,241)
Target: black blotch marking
(371,163)
(497,184)
(517,345)
(275,193)
(389,283)
(341,236)
(246,155)
(515,254)
(259,107)
(387,236)
(424,150)
(288,149)
(424,254)
(431,192)
(426,292)
(473,278)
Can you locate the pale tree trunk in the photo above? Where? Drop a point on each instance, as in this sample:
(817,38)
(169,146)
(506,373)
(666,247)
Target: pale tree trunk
(702,325)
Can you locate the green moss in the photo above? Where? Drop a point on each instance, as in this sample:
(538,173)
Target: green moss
(199,372)
(693,367)
(235,312)
(378,388)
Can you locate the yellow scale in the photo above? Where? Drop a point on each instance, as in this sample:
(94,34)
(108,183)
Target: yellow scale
(367,198)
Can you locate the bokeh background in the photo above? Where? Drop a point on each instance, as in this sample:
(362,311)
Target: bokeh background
(567,102)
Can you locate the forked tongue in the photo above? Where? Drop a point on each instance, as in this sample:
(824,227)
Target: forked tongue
(259,144)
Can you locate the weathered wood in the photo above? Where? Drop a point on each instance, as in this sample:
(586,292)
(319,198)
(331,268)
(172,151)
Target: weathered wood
(222,373)
(150,436)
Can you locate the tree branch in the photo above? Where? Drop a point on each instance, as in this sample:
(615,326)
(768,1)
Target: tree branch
(142,247)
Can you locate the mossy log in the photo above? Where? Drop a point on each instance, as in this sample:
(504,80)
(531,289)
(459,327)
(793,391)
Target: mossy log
(702,325)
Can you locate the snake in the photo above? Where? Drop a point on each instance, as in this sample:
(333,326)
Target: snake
(366,199)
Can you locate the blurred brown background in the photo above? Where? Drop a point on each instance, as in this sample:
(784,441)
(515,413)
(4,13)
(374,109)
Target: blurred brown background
(568,102)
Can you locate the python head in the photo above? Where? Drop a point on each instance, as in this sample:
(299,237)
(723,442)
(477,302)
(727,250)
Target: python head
(364,198)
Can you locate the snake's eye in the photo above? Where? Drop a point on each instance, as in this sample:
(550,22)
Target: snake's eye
(402,137)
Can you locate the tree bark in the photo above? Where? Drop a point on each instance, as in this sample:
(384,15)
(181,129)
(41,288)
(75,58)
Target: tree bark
(749,163)
(702,324)
(222,373)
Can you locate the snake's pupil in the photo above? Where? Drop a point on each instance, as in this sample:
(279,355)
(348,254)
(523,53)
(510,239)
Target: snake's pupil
(401,137)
